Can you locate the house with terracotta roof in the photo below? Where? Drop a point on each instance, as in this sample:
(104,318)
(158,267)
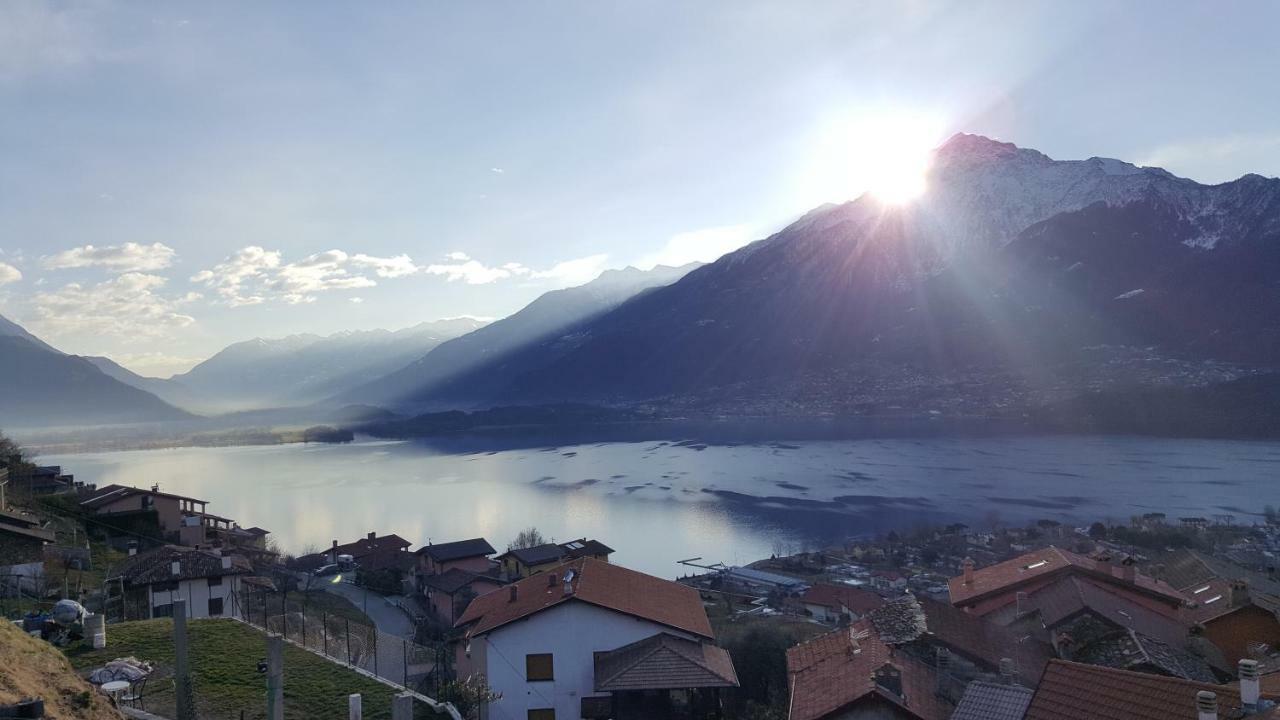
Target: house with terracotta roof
(208,580)
(594,640)
(1075,691)
(522,562)
(179,518)
(910,658)
(1235,610)
(833,604)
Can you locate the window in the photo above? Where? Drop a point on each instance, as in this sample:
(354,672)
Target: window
(160,611)
(544,714)
(215,607)
(215,581)
(170,586)
(538,667)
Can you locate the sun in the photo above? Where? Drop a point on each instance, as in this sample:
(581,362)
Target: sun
(882,153)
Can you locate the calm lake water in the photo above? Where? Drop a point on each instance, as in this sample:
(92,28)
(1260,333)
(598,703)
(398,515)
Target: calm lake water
(658,502)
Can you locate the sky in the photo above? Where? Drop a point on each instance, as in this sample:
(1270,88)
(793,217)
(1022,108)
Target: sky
(179,176)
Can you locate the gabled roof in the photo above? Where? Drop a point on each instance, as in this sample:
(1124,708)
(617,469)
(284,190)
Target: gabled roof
(598,583)
(991,701)
(365,546)
(1044,564)
(156,565)
(536,555)
(837,669)
(1073,691)
(111,493)
(457,550)
(836,596)
(983,641)
(664,662)
(583,547)
(455,579)
(1127,650)
(1068,597)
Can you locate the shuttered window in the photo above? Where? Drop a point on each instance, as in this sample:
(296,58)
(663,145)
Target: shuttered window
(538,667)
(546,714)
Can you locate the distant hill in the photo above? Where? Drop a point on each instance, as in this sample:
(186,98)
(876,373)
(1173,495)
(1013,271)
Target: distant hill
(41,387)
(1016,280)
(8,328)
(299,369)
(478,353)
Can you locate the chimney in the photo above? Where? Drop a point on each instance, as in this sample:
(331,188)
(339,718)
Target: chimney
(968,570)
(373,535)
(944,669)
(1206,705)
(1064,646)
(226,562)
(889,679)
(1020,599)
(1250,689)
(1007,670)
(1239,593)
(551,580)
(175,567)
(155,488)
(133,548)
(515,591)
(568,581)
(1102,563)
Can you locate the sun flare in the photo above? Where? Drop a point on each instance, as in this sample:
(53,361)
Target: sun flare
(883,153)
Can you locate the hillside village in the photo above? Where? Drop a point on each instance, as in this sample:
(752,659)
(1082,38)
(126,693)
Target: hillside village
(1179,617)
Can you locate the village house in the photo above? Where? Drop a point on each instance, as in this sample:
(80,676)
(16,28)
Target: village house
(888,581)
(911,659)
(1089,692)
(469,555)
(450,575)
(22,545)
(179,519)
(836,604)
(208,580)
(594,640)
(523,562)
(1238,619)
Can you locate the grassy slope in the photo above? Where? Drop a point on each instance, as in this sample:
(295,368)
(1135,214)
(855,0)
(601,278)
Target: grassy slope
(224,657)
(30,667)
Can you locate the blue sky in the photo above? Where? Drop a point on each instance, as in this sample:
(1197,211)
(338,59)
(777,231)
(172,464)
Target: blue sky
(178,176)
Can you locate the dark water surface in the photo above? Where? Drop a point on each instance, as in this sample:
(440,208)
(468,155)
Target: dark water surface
(660,501)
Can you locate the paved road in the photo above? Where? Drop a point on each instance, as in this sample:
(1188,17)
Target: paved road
(387,617)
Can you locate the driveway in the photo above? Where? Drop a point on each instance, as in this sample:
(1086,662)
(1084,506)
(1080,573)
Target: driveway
(386,616)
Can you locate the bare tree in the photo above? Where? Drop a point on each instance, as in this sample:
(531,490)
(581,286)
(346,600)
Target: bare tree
(527,538)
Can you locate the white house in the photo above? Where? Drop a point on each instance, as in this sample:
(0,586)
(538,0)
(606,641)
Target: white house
(590,639)
(207,580)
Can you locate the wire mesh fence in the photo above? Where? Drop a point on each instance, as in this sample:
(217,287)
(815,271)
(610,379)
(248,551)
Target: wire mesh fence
(393,658)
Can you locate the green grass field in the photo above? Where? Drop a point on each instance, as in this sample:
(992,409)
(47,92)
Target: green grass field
(224,655)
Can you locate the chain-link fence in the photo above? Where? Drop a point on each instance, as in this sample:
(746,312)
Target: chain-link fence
(393,658)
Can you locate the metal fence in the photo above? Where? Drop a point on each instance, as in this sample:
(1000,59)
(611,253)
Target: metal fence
(395,659)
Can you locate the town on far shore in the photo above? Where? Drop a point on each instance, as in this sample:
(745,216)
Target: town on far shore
(1154,616)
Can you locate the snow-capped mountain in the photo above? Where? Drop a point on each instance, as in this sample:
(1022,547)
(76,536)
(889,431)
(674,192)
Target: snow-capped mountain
(857,303)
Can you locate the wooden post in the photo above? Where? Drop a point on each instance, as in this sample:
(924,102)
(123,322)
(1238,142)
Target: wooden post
(354,710)
(275,677)
(184,701)
(402,707)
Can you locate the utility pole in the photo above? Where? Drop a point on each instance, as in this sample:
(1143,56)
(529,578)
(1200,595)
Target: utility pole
(184,700)
(275,677)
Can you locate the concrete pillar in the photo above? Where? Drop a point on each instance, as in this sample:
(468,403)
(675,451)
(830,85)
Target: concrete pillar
(184,700)
(402,707)
(275,677)
(354,710)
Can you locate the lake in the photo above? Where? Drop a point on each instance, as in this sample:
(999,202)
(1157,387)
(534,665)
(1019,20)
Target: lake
(660,501)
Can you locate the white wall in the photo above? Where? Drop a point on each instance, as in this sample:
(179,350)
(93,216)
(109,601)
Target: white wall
(197,593)
(572,632)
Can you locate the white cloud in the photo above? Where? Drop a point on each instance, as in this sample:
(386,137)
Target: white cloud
(9,274)
(356,300)
(473,272)
(706,245)
(392,267)
(457,255)
(497,170)
(128,306)
(129,257)
(575,272)
(254,275)
(231,277)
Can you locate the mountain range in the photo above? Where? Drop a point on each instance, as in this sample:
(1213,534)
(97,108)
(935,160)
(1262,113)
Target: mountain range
(1014,280)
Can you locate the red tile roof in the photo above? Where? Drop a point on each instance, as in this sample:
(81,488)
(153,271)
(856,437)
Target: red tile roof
(1069,596)
(984,641)
(997,581)
(835,670)
(1072,691)
(664,662)
(111,493)
(596,582)
(836,596)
